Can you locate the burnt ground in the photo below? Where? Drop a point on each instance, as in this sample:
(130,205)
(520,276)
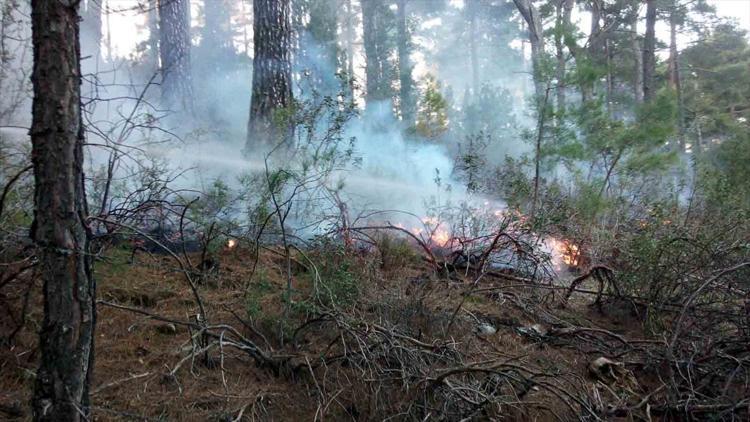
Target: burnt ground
(145,369)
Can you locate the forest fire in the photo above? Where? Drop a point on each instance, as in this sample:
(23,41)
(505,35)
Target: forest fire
(231,243)
(484,225)
(433,232)
(565,253)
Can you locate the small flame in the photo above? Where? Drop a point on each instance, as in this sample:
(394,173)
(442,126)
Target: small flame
(441,237)
(565,252)
(438,235)
(231,243)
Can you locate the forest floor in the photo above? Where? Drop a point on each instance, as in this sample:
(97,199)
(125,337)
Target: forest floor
(145,370)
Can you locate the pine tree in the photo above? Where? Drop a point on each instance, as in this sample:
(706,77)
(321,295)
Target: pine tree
(174,51)
(272,72)
(407,103)
(67,336)
(649,52)
(377,23)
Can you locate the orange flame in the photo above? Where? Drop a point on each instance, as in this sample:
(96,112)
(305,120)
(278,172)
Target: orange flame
(231,243)
(565,252)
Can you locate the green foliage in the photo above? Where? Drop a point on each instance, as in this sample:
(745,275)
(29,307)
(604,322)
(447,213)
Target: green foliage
(395,252)
(254,294)
(511,182)
(301,171)
(334,284)
(470,162)
(432,115)
(716,83)
(663,257)
(339,285)
(490,112)
(588,201)
(317,55)
(724,173)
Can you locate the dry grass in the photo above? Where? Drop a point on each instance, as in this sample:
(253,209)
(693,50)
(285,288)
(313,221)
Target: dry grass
(135,354)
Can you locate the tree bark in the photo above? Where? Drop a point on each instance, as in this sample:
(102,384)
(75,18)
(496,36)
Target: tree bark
(408,105)
(562,22)
(608,52)
(635,45)
(649,52)
(174,51)
(272,72)
(674,67)
(538,151)
(59,230)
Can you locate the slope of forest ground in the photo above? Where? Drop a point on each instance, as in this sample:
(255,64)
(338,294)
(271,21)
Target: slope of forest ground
(401,340)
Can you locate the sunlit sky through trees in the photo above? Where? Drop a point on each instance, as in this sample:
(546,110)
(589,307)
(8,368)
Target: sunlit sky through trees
(127,22)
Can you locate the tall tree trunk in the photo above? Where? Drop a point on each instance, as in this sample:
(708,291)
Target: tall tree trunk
(649,51)
(635,46)
(596,35)
(408,105)
(349,44)
(596,51)
(674,68)
(377,66)
(610,77)
(534,24)
(174,51)
(272,72)
(561,27)
(59,230)
(541,114)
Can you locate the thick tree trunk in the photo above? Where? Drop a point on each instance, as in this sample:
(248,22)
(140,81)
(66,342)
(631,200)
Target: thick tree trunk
(649,51)
(59,230)
(377,65)
(174,50)
(272,72)
(408,105)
